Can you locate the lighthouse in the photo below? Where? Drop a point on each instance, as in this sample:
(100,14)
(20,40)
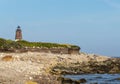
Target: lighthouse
(18,35)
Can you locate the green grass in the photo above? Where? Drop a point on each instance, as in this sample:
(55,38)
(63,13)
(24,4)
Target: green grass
(6,44)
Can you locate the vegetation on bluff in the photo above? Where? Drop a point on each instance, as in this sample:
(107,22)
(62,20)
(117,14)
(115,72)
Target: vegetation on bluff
(7,44)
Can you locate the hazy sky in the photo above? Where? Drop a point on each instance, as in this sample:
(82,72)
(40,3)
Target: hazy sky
(94,25)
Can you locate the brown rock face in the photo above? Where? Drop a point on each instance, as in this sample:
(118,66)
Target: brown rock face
(7,58)
(18,35)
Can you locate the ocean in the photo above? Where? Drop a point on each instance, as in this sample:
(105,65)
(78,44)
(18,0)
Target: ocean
(97,78)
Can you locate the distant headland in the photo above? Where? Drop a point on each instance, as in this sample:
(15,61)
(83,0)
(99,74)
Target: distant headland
(20,45)
(49,67)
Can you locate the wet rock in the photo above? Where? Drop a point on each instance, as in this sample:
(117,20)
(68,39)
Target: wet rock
(79,81)
(76,82)
(82,80)
(66,80)
(93,83)
(117,79)
(71,81)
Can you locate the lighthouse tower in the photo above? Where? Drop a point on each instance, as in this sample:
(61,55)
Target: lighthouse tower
(18,35)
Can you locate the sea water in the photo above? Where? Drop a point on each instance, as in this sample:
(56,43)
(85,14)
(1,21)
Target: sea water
(97,78)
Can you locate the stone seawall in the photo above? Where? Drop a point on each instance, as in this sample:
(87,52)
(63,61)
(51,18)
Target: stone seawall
(46,50)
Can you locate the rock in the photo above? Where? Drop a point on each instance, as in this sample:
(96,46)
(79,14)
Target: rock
(67,80)
(79,81)
(82,80)
(7,58)
(30,78)
(76,82)
(23,66)
(117,79)
(115,69)
(71,81)
(93,83)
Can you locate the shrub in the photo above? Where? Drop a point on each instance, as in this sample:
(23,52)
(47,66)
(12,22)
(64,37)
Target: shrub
(7,44)
(15,45)
(2,42)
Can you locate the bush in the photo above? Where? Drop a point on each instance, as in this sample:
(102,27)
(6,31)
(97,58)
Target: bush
(2,42)
(15,45)
(7,44)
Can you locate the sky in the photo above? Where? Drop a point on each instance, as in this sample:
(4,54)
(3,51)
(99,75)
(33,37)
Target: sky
(94,25)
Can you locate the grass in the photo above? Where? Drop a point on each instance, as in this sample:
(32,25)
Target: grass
(8,44)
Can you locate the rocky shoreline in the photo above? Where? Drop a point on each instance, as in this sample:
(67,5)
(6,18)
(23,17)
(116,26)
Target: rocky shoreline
(46,68)
(110,66)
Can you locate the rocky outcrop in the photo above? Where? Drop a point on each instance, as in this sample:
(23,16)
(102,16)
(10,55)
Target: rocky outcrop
(111,65)
(25,46)
(44,68)
(71,81)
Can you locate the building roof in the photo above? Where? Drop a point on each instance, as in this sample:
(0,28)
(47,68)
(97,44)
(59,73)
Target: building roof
(18,28)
